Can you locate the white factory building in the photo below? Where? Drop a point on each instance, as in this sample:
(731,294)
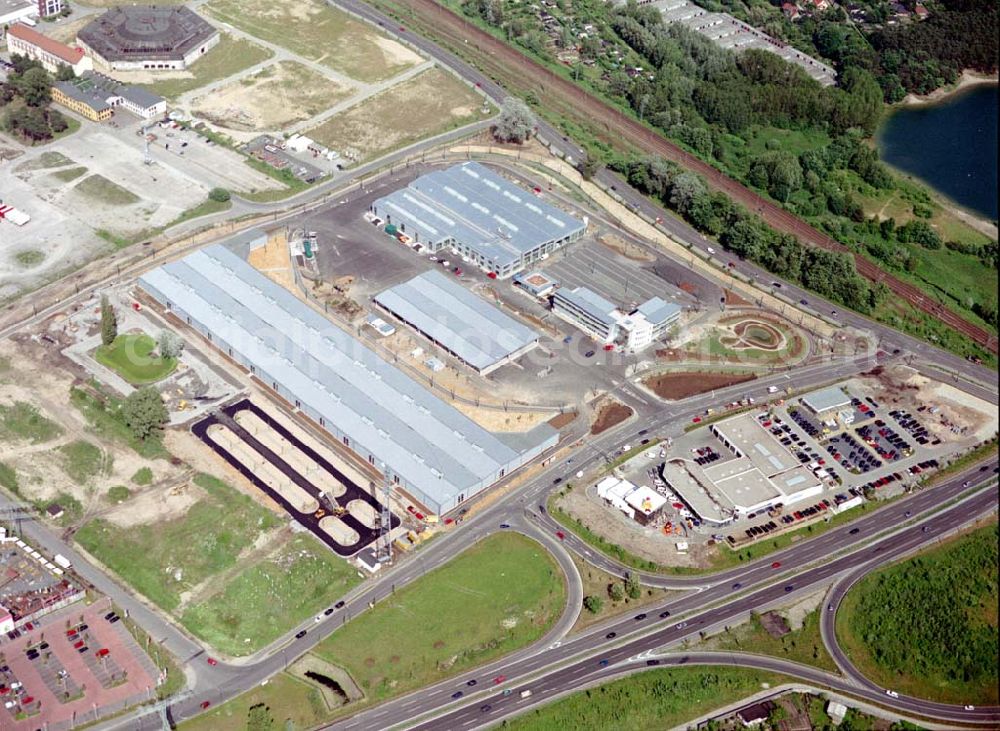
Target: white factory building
(607,324)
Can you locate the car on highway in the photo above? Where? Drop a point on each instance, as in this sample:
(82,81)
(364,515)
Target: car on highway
(610,635)
(680,625)
(664,614)
(603,663)
(640,617)
(855,531)
(472,682)
(338,605)
(803,302)
(486,708)
(300,634)
(205,704)
(499,679)
(652,662)
(328,611)
(892,694)
(970,708)
(589,354)
(776,565)
(554,482)
(212,661)
(457,694)
(829,607)
(789,588)
(505,525)
(737,585)
(560,535)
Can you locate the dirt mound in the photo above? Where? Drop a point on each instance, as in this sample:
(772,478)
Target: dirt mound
(610,414)
(674,386)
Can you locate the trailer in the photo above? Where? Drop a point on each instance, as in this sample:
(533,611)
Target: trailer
(16,217)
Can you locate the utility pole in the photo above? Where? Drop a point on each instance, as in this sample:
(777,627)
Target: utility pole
(383,548)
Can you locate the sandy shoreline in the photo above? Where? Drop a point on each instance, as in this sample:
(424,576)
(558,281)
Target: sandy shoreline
(967,80)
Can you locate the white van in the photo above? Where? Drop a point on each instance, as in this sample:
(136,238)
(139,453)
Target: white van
(525,693)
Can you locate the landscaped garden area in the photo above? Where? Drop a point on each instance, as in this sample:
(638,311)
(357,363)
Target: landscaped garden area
(132,356)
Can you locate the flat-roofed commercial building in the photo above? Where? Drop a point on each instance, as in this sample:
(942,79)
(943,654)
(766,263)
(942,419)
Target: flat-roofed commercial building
(95,96)
(760,475)
(452,317)
(826,401)
(600,319)
(429,449)
(500,226)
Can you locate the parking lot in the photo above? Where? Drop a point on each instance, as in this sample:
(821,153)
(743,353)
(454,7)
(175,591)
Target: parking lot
(75,666)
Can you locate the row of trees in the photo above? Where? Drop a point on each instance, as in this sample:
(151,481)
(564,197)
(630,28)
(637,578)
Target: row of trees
(828,273)
(617,591)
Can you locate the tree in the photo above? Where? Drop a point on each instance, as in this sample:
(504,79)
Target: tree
(588,168)
(593,604)
(616,591)
(170,343)
(259,718)
(919,232)
(144,412)
(109,322)
(632,587)
(65,73)
(35,86)
(516,121)
(687,188)
(219,195)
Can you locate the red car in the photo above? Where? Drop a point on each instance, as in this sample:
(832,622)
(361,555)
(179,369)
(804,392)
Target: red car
(205,704)
(696,420)
(499,679)
(776,565)
(103,652)
(560,535)
(78,644)
(212,661)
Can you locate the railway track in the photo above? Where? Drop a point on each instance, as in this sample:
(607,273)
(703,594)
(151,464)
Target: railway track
(504,61)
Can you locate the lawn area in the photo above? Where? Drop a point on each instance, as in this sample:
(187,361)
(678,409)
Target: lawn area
(230,56)
(102,412)
(317,32)
(203,542)
(928,626)
(434,102)
(499,595)
(293,703)
(44,161)
(69,174)
(653,700)
(82,461)
(22,420)
(205,208)
(130,356)
(99,188)
(804,645)
(299,580)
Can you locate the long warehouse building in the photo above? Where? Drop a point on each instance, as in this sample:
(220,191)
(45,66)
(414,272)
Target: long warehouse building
(470,328)
(500,226)
(430,450)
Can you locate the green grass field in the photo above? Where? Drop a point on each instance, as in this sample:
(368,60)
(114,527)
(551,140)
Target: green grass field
(265,600)
(130,356)
(804,645)
(293,703)
(23,421)
(102,190)
(928,626)
(650,701)
(319,33)
(203,542)
(499,595)
(83,461)
(68,175)
(229,57)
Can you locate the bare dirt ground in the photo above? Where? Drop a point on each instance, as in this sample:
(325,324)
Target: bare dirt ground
(434,101)
(156,504)
(41,377)
(609,414)
(270,100)
(563,420)
(674,386)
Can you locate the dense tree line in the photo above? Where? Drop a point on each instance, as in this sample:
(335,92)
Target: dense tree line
(830,274)
(27,94)
(929,617)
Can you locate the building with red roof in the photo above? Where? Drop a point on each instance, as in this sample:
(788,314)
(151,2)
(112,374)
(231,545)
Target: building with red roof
(49,52)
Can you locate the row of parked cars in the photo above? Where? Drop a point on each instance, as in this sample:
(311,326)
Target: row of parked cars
(913,427)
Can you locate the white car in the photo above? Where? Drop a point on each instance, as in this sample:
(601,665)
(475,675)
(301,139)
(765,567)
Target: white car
(709,249)
(970,708)
(892,694)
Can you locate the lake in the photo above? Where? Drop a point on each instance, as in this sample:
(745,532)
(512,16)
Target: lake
(951,146)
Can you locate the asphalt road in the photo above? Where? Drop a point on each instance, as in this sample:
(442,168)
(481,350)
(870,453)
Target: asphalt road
(591,655)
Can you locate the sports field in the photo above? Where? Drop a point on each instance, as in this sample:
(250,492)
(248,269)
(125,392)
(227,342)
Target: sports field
(317,32)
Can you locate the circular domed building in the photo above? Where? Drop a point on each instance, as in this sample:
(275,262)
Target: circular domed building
(147,38)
